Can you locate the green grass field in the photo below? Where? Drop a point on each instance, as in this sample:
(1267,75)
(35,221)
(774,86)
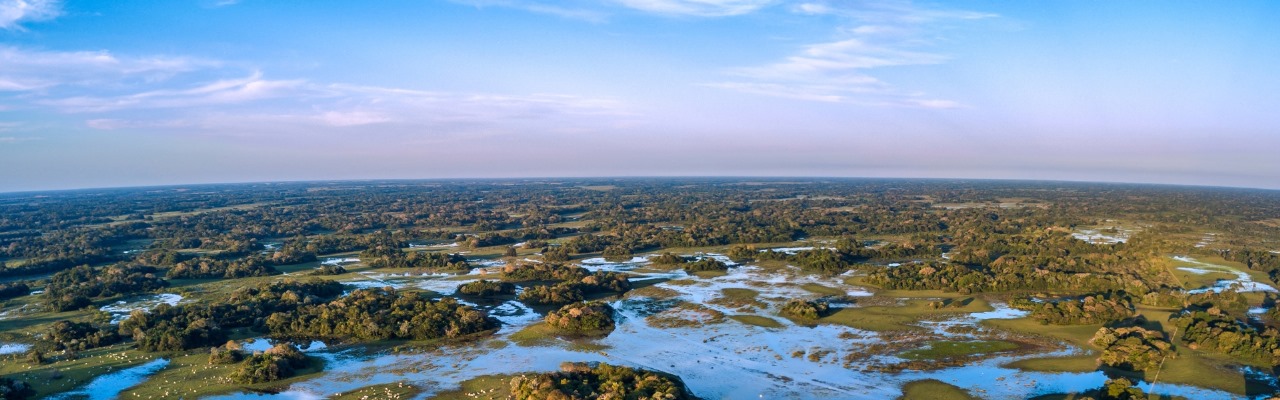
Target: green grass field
(940,349)
(489,387)
(1189,367)
(932,389)
(757,320)
(897,318)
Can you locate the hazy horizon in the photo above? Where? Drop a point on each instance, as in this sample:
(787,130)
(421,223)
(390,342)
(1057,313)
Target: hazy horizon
(624,179)
(100,94)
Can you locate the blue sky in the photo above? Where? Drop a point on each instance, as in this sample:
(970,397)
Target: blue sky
(123,93)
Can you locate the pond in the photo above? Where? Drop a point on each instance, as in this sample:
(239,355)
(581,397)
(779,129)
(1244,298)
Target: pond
(109,386)
(120,310)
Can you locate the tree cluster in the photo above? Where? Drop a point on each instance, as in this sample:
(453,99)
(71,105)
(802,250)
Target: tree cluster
(68,335)
(276,363)
(75,288)
(1214,331)
(1087,310)
(188,326)
(804,309)
(705,264)
(1132,348)
(599,381)
(486,288)
(381,314)
(9,290)
(582,318)
(13,389)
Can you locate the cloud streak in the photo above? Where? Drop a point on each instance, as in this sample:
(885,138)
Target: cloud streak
(14,12)
(222,92)
(29,70)
(876,35)
(286,108)
(558,10)
(697,8)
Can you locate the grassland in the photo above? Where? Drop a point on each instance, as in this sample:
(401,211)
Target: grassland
(190,375)
(756,320)
(397,390)
(63,375)
(940,349)
(822,290)
(898,317)
(932,389)
(489,387)
(1188,367)
(539,334)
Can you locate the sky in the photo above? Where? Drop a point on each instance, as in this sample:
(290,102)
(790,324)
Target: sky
(132,93)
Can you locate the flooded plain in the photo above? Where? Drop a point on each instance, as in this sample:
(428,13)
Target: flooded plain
(682,325)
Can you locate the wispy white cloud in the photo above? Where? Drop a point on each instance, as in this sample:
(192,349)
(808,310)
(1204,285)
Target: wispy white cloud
(14,12)
(284,108)
(182,93)
(876,35)
(555,9)
(812,8)
(230,91)
(699,8)
(15,139)
(26,69)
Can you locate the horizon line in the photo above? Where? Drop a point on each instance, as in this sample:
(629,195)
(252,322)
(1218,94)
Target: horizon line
(632,177)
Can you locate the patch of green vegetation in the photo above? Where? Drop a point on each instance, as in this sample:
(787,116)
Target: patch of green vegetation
(483,387)
(685,315)
(1188,367)
(587,345)
(682,282)
(940,349)
(933,389)
(653,292)
(190,375)
(897,318)
(822,290)
(710,274)
(63,375)
(757,320)
(539,334)
(1078,363)
(1195,281)
(745,300)
(398,390)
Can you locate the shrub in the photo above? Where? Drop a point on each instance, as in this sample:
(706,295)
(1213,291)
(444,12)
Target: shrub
(602,381)
(668,259)
(329,270)
(67,335)
(486,288)
(706,264)
(590,317)
(563,293)
(1134,348)
(805,309)
(11,389)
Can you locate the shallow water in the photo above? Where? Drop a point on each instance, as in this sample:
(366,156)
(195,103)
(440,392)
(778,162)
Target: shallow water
(260,344)
(340,261)
(109,386)
(1096,237)
(1243,282)
(760,361)
(14,348)
(120,310)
